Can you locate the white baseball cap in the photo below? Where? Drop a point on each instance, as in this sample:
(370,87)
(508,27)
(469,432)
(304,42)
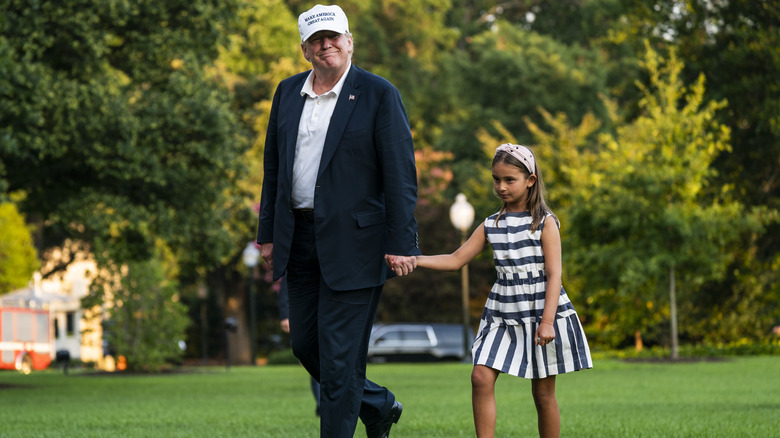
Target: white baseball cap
(322,18)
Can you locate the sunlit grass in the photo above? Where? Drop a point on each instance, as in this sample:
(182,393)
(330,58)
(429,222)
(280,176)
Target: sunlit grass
(738,397)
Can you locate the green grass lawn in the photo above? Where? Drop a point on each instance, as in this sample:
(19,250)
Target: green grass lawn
(738,397)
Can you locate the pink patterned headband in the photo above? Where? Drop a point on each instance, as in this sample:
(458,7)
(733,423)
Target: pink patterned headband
(522,153)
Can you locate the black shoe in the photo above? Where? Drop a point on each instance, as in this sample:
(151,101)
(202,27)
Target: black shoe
(381,429)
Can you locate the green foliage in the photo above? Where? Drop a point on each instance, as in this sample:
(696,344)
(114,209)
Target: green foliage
(265,40)
(261,49)
(18,258)
(505,75)
(733,43)
(701,351)
(401,41)
(284,357)
(112,129)
(144,319)
(650,205)
(408,43)
(573,22)
(745,311)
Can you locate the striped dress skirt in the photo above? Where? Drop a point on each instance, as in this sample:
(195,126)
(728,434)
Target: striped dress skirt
(507,344)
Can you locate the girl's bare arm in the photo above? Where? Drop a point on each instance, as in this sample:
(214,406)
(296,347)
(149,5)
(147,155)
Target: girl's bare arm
(553,266)
(459,258)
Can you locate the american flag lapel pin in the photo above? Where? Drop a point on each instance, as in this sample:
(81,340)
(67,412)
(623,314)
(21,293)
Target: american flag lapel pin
(351,97)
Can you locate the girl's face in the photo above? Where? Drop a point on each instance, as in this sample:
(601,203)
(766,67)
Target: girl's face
(512,186)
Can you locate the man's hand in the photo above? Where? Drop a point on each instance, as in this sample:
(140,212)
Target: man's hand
(285,325)
(267,251)
(401,265)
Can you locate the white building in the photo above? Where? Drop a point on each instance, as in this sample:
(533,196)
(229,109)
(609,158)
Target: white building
(72,330)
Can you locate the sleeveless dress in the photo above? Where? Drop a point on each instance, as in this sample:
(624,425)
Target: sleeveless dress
(513,311)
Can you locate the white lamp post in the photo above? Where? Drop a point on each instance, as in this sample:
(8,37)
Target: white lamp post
(251,257)
(462,216)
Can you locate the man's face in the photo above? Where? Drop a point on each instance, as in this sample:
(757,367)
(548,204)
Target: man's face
(328,50)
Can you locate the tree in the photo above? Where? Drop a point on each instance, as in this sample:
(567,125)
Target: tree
(732,43)
(526,71)
(18,258)
(145,320)
(648,212)
(117,135)
(112,130)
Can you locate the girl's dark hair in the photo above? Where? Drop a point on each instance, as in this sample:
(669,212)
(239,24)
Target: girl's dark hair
(535,202)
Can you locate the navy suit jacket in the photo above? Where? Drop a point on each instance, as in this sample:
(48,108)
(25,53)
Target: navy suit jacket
(366,189)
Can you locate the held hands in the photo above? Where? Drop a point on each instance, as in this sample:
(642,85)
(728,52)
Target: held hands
(545,333)
(401,265)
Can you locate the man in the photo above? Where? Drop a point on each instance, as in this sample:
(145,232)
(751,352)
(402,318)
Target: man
(339,193)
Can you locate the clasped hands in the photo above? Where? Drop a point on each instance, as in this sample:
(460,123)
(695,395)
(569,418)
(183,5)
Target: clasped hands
(401,265)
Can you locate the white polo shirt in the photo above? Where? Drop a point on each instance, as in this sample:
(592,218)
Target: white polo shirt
(312,130)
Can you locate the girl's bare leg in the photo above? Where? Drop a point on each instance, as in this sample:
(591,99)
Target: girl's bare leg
(548,415)
(483,400)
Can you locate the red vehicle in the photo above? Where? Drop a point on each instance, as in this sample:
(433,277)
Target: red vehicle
(25,339)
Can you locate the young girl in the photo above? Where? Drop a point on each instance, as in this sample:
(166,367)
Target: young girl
(529,328)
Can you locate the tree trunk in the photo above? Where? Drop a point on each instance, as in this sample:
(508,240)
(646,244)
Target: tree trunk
(673,312)
(230,289)
(236,306)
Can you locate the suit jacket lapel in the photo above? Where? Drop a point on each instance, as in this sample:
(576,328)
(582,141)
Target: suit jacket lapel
(292,128)
(348,99)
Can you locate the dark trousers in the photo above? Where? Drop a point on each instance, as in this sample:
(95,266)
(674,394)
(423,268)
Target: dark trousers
(329,332)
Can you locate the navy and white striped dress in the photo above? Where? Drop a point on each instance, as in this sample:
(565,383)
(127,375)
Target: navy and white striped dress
(513,311)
